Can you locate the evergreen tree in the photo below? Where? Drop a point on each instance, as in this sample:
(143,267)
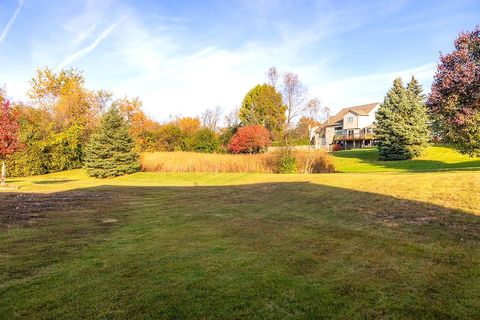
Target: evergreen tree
(401,122)
(110,150)
(418,120)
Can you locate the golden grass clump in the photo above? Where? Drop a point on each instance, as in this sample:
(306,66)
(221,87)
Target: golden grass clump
(315,161)
(307,162)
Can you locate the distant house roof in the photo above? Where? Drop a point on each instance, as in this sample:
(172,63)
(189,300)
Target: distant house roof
(362,110)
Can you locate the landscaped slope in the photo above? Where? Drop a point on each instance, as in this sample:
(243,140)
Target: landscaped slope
(435,158)
(399,245)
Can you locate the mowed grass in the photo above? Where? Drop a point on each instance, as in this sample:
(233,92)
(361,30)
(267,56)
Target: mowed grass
(251,246)
(435,158)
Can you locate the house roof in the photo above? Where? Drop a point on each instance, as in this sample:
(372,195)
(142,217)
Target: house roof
(362,110)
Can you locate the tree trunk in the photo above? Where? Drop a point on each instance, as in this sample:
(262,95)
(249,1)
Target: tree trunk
(3,174)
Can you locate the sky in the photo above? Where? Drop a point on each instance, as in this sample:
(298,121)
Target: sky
(182,57)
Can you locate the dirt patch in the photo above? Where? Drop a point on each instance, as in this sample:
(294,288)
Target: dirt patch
(29,208)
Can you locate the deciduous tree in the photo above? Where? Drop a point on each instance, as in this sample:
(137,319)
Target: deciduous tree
(64,97)
(263,106)
(9,134)
(141,127)
(211,118)
(296,99)
(188,125)
(250,139)
(455,96)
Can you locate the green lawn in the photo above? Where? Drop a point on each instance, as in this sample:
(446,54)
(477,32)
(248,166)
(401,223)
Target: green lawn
(153,246)
(435,158)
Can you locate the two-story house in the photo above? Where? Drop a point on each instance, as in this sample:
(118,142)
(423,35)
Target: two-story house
(349,128)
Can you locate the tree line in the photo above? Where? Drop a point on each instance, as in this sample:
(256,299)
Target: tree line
(64,125)
(62,115)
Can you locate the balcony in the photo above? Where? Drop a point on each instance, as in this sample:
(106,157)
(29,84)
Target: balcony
(354,137)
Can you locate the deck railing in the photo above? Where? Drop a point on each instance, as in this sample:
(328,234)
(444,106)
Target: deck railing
(355,136)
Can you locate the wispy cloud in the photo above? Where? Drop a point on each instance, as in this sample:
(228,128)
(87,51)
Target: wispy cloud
(218,75)
(10,22)
(369,88)
(84,51)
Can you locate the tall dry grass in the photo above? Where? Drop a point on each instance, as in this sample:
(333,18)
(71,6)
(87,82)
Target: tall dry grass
(307,162)
(317,161)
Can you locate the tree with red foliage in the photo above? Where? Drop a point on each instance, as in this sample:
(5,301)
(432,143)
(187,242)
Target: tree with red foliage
(9,134)
(455,96)
(250,139)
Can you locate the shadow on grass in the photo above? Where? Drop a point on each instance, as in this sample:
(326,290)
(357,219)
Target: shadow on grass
(370,156)
(245,251)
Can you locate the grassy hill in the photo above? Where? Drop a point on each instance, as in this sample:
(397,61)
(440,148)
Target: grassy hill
(223,246)
(435,158)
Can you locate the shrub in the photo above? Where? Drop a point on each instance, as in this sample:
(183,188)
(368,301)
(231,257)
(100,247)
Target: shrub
(206,141)
(65,149)
(317,161)
(250,139)
(285,162)
(337,147)
(170,138)
(45,151)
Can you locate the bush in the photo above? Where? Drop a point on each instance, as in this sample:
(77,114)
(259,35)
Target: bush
(205,141)
(65,149)
(170,138)
(250,139)
(285,162)
(317,161)
(44,151)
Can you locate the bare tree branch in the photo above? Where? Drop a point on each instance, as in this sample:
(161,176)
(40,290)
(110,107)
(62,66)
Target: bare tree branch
(211,118)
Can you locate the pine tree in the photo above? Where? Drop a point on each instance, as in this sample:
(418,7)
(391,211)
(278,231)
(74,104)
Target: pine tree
(110,150)
(401,122)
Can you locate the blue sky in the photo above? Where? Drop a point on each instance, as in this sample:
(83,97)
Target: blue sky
(181,57)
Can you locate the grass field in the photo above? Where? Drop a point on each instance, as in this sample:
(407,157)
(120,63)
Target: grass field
(229,246)
(435,158)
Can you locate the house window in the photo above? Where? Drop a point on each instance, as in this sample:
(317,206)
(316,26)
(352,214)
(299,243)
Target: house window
(350,119)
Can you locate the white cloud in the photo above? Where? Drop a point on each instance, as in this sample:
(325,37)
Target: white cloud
(84,51)
(159,58)
(10,22)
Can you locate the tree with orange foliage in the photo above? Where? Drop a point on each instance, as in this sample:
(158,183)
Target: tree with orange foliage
(141,127)
(188,125)
(250,139)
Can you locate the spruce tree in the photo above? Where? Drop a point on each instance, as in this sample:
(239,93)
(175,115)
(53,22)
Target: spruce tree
(110,150)
(401,122)
(418,120)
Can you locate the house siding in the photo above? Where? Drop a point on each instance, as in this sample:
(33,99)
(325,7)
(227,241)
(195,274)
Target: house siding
(329,133)
(351,125)
(365,121)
